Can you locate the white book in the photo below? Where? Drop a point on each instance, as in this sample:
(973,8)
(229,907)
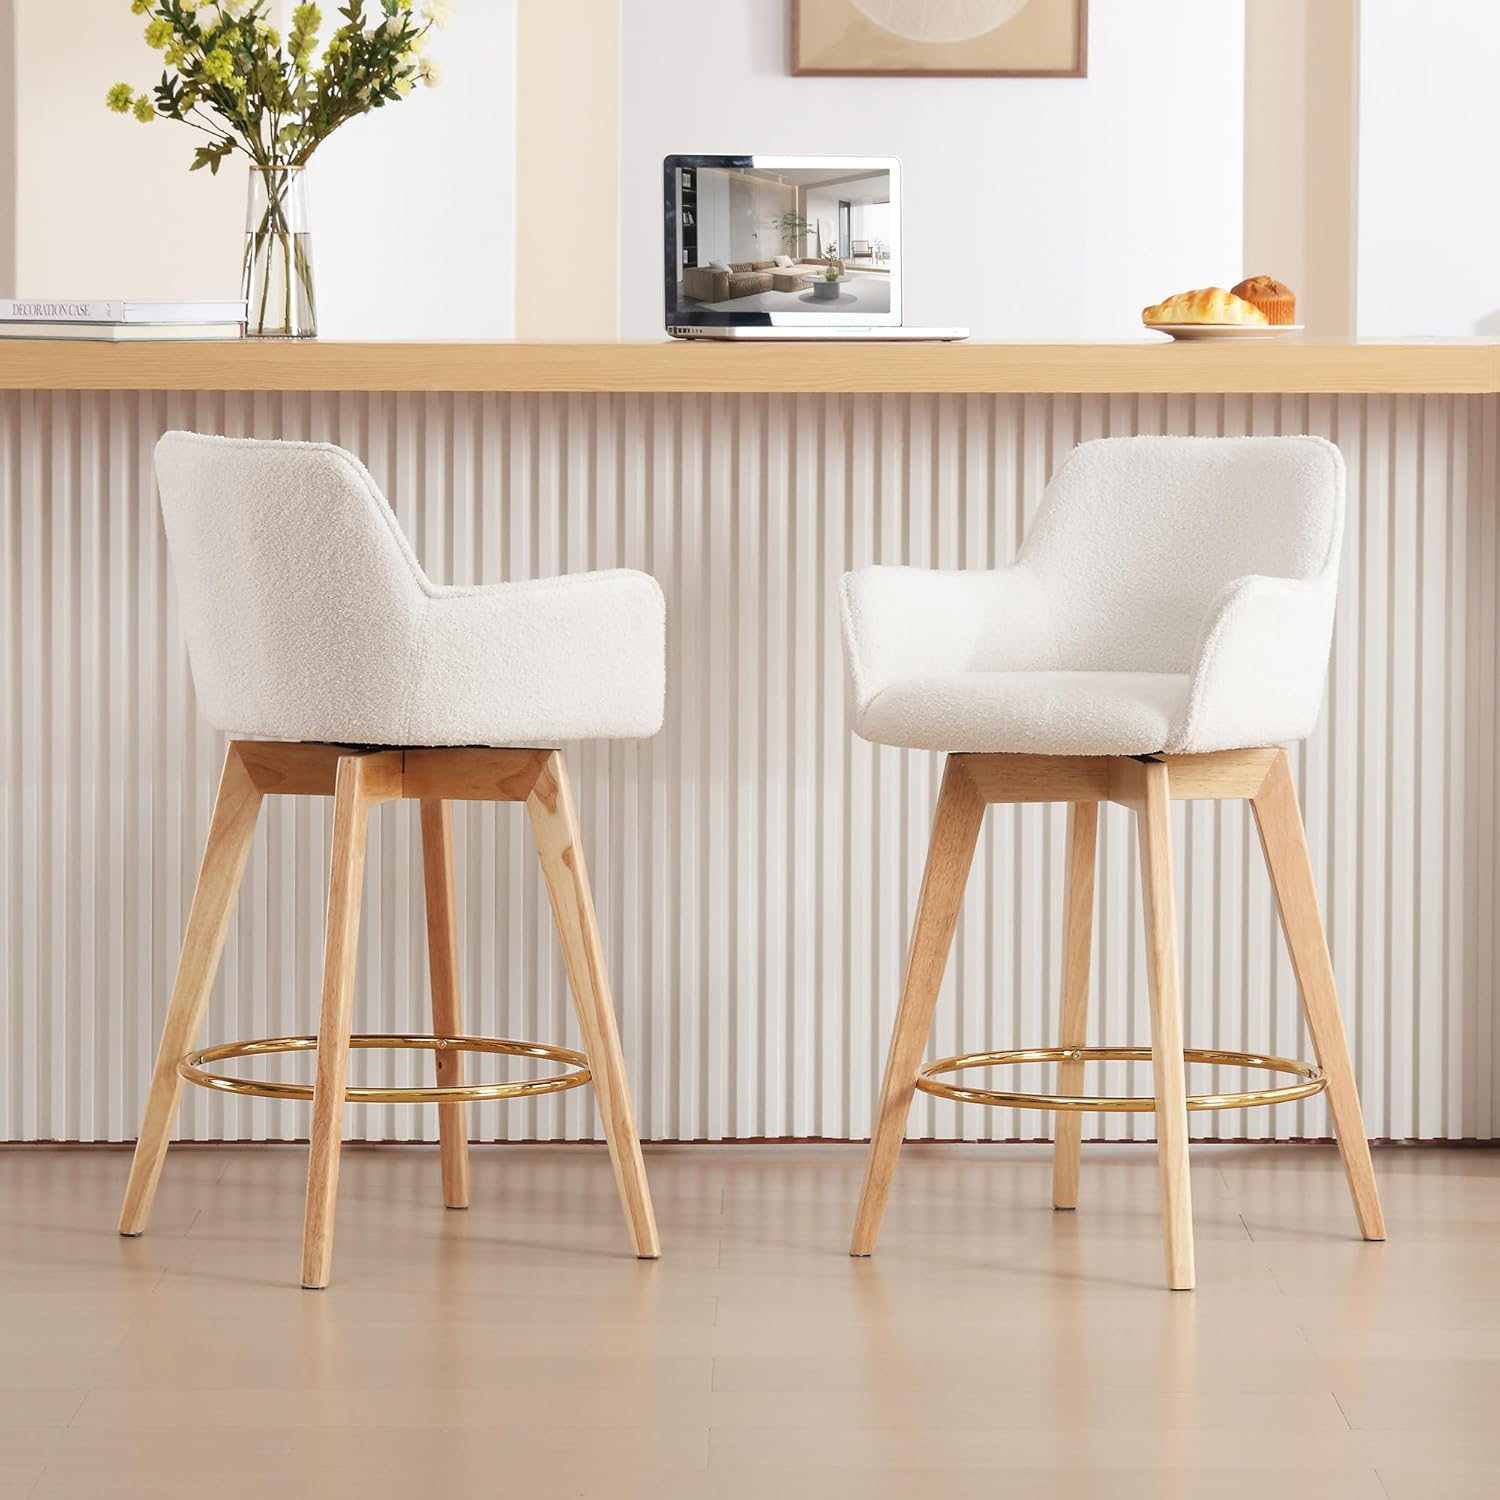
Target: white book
(119,333)
(105,310)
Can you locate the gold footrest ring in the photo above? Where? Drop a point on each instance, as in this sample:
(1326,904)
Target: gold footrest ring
(1311,1079)
(191,1068)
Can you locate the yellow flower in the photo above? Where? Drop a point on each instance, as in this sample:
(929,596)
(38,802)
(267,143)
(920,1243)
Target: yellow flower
(304,33)
(219,66)
(139,7)
(158,33)
(403,86)
(438,12)
(119,98)
(428,72)
(143,110)
(177,52)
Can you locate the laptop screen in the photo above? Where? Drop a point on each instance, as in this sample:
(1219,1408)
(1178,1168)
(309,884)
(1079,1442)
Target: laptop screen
(782,241)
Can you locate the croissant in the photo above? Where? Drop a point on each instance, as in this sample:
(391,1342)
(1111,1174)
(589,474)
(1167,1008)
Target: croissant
(1211,305)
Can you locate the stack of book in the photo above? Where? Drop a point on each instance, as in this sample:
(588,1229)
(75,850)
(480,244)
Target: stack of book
(80,318)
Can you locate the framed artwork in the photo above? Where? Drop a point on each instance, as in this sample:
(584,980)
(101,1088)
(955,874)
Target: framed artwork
(941,38)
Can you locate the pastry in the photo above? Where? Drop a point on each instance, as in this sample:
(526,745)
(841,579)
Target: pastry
(1211,305)
(1274,298)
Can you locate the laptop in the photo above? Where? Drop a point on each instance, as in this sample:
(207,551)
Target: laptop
(785,247)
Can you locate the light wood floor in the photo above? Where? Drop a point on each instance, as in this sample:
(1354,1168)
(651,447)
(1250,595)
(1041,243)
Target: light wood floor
(992,1346)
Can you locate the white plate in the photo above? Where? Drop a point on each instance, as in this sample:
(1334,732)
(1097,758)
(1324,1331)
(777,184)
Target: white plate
(1192,331)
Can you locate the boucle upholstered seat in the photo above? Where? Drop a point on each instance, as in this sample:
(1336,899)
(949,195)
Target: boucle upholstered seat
(316,638)
(308,616)
(1165,627)
(1173,594)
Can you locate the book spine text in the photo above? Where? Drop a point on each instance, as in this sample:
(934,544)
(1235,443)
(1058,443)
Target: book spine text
(44,311)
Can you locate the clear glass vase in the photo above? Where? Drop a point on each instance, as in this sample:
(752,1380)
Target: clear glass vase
(278,273)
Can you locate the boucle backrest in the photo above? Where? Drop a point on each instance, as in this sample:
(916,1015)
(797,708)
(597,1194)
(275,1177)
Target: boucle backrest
(1137,536)
(294,580)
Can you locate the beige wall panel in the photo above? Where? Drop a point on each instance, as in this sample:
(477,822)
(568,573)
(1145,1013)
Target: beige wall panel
(568,169)
(1301,149)
(106,205)
(7,148)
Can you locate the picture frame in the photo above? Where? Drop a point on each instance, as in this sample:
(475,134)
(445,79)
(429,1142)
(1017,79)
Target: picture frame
(842,39)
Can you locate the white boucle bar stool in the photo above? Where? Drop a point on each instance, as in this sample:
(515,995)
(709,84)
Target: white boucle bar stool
(319,643)
(1163,632)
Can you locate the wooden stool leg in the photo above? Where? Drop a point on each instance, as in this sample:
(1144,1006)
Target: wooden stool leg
(1168,1065)
(1078,939)
(442,962)
(1284,841)
(554,821)
(955,832)
(230,833)
(362,782)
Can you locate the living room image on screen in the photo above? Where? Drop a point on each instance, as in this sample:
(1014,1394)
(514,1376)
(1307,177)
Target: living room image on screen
(800,240)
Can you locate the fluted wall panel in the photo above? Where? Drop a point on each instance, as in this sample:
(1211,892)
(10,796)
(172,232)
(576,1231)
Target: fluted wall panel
(755,866)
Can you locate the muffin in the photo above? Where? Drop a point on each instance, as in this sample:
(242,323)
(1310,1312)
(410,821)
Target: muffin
(1274,298)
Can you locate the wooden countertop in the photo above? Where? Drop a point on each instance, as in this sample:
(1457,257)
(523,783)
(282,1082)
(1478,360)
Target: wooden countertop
(1147,366)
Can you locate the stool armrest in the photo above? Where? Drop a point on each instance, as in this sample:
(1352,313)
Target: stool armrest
(900,623)
(554,643)
(1260,664)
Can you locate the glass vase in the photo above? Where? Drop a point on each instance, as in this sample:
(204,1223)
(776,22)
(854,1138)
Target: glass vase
(278,273)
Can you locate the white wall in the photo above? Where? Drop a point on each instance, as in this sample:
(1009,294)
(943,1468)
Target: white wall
(414,209)
(1034,208)
(1428,243)
(412,205)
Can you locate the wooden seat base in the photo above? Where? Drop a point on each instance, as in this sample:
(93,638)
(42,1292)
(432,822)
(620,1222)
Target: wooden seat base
(1146,785)
(358,781)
